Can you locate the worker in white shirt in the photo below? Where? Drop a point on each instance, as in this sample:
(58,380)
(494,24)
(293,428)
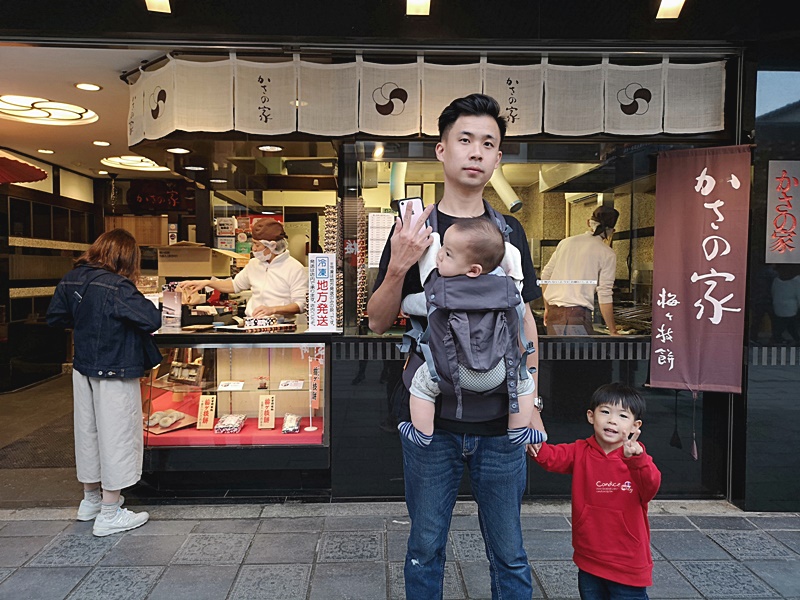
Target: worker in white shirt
(585,263)
(279,282)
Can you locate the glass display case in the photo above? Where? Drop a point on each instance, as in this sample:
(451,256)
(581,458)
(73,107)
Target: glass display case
(265,394)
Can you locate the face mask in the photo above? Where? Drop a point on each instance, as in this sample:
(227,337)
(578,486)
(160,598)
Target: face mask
(261,255)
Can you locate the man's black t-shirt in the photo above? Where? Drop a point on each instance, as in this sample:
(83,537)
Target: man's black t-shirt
(413,285)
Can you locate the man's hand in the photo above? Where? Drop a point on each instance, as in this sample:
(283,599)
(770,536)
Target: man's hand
(190,287)
(631,447)
(409,242)
(263,311)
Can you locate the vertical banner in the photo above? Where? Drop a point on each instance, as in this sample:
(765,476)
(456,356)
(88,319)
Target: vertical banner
(389,99)
(158,92)
(634,99)
(441,84)
(519,91)
(694,99)
(204,95)
(573,99)
(700,266)
(321,292)
(328,99)
(783,175)
(265,97)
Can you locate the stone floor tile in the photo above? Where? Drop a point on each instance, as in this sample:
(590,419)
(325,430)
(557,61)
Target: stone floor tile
(271,582)
(788,538)
(351,581)
(5,572)
(197,512)
(771,522)
(280,525)
(545,523)
(194,582)
(288,548)
(558,578)
(351,546)
(714,522)
(476,579)
(143,550)
(725,580)
(153,527)
(119,583)
(453,588)
(213,549)
(228,526)
(468,545)
(398,523)
(70,550)
(781,575)
(751,545)
(23,548)
(670,522)
(32,528)
(397,544)
(365,523)
(548,545)
(80,527)
(656,554)
(669,583)
(42,583)
(465,523)
(687,545)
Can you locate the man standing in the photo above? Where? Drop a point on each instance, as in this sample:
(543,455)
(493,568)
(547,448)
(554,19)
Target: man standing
(471,132)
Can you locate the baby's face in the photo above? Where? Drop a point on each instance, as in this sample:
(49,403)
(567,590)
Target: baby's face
(451,259)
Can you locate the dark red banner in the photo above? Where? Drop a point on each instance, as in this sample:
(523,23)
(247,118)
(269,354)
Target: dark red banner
(700,266)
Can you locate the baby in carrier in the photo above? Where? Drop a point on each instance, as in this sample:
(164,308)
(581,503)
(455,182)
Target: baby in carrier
(474,248)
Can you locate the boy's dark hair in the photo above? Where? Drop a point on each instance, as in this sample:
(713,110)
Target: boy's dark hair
(474,105)
(485,244)
(619,394)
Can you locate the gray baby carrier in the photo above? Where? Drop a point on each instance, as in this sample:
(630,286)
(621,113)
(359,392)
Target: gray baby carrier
(475,326)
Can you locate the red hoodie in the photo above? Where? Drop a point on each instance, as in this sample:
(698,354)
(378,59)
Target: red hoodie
(610,531)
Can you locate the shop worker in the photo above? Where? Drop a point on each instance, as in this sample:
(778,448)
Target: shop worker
(586,258)
(279,282)
(111,323)
(471,131)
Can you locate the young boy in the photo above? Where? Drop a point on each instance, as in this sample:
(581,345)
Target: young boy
(613,479)
(471,247)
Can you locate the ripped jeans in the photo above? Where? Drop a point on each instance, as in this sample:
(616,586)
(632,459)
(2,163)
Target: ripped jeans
(497,472)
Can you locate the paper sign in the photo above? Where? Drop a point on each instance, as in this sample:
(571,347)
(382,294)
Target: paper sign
(291,384)
(314,372)
(230,386)
(205,411)
(266,411)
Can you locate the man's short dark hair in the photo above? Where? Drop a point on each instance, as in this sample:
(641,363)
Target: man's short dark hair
(474,105)
(619,394)
(485,243)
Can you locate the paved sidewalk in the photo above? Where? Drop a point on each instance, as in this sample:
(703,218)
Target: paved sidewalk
(355,551)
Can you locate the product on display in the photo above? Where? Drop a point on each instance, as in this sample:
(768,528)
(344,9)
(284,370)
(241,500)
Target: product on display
(291,423)
(230,424)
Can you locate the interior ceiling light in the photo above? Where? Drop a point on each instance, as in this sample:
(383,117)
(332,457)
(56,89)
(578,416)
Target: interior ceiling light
(161,6)
(669,9)
(297,103)
(215,180)
(270,148)
(101,143)
(102,172)
(88,87)
(45,151)
(418,7)
(45,112)
(378,152)
(132,163)
(194,168)
(178,150)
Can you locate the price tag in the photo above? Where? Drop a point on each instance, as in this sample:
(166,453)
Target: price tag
(230,386)
(206,410)
(291,384)
(266,411)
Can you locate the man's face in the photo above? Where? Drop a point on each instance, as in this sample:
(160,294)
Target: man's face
(470,151)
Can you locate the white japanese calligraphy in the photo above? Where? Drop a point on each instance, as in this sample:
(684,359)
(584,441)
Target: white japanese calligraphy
(712,250)
(715,207)
(705,183)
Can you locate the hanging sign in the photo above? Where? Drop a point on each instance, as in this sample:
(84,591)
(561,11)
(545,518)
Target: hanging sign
(321,292)
(782,182)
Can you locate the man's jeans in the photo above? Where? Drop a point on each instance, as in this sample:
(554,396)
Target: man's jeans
(432,475)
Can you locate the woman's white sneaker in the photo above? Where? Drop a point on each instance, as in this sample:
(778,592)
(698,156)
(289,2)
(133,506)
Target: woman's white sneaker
(89,510)
(123,520)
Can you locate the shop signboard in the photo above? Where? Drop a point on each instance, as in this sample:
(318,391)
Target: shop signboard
(782,180)
(700,266)
(321,292)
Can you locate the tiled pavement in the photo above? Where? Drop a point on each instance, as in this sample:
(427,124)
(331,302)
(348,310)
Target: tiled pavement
(356,551)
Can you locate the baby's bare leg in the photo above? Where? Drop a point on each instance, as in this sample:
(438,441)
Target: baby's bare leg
(422,413)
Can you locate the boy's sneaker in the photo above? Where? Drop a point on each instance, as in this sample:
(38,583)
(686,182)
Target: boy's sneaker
(123,520)
(89,510)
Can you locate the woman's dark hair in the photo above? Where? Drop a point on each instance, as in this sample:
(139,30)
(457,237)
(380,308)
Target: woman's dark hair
(115,251)
(474,105)
(619,394)
(485,243)
(606,217)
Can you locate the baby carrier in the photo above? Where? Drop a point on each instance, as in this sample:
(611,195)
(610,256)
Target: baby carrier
(475,326)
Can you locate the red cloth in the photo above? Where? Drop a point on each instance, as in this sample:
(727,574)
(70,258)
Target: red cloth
(610,531)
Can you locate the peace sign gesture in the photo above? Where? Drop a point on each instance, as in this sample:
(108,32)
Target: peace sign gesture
(631,447)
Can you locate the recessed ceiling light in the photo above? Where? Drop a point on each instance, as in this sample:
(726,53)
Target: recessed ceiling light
(102,172)
(101,143)
(194,168)
(270,148)
(418,7)
(669,9)
(218,180)
(161,6)
(88,87)
(45,112)
(268,212)
(132,163)
(45,151)
(178,150)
